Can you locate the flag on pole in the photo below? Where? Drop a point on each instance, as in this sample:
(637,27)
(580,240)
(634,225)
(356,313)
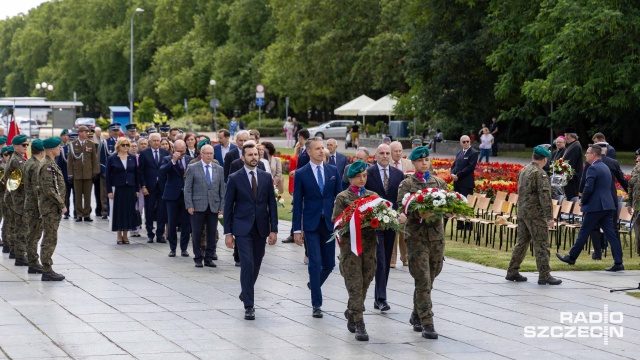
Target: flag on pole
(13,130)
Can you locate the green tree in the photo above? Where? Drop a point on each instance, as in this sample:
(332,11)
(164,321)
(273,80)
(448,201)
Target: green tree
(144,111)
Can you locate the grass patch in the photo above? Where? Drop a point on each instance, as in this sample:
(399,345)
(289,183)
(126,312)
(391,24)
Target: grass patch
(634,294)
(284,213)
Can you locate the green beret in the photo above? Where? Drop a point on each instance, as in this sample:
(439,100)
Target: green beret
(541,151)
(64,132)
(3,140)
(356,168)
(37,144)
(203,142)
(19,139)
(6,149)
(416,141)
(418,153)
(52,142)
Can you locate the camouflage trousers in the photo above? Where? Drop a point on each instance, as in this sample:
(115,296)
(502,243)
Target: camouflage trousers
(20,232)
(50,222)
(358,271)
(425,246)
(531,230)
(35,227)
(7,227)
(636,230)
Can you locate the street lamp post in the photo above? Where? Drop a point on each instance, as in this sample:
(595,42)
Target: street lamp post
(131,69)
(43,88)
(212,83)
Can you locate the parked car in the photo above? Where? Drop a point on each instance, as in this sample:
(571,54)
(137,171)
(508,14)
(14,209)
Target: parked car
(88,122)
(332,129)
(31,128)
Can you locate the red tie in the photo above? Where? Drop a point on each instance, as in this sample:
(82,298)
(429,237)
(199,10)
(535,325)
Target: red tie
(397,165)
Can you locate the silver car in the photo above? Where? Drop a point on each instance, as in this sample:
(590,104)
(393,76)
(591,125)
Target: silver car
(332,129)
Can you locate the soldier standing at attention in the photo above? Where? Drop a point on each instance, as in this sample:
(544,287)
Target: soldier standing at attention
(62,161)
(3,143)
(14,199)
(425,243)
(32,222)
(534,218)
(51,205)
(83,166)
(107,148)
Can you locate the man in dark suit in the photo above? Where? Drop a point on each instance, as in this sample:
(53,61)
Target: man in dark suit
(597,207)
(315,188)
(600,138)
(303,158)
(462,172)
(173,168)
(335,158)
(224,147)
(153,188)
(573,155)
(384,180)
(234,153)
(238,164)
(250,216)
(203,197)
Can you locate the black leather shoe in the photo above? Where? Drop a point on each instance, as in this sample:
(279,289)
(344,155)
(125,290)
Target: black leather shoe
(150,241)
(52,276)
(566,258)
(79,219)
(12,255)
(5,249)
(162,240)
(594,256)
(199,264)
(241,297)
(172,253)
(249,314)
(237,263)
(361,331)
(309,285)
(415,321)
(550,281)
(429,332)
(104,217)
(209,263)
(381,305)
(351,325)
(214,257)
(184,253)
(35,269)
(615,267)
(516,277)
(317,313)
(88,219)
(21,262)
(288,240)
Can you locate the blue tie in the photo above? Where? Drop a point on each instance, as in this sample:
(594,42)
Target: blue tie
(207,174)
(320,180)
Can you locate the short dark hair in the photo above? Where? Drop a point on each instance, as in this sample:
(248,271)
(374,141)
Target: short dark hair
(270,148)
(35,151)
(596,150)
(255,133)
(225,132)
(247,146)
(174,129)
(538,157)
(599,136)
(304,133)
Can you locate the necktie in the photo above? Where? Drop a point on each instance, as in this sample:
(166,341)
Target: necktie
(155,157)
(332,161)
(320,179)
(386,180)
(180,166)
(254,185)
(207,174)
(397,165)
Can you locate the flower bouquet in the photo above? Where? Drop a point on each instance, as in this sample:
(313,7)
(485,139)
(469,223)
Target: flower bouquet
(373,212)
(279,199)
(561,172)
(436,201)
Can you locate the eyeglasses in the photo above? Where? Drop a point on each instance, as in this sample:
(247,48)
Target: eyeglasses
(24,145)
(124,145)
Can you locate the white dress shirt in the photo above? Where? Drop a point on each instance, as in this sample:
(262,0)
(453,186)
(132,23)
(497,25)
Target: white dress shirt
(381,171)
(315,167)
(397,165)
(225,150)
(255,173)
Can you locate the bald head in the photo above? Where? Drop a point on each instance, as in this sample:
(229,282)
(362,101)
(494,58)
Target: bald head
(465,142)
(383,155)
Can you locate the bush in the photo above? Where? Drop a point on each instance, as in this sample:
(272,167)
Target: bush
(267,123)
(270,131)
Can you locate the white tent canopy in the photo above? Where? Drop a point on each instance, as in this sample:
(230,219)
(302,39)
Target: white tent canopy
(352,107)
(383,107)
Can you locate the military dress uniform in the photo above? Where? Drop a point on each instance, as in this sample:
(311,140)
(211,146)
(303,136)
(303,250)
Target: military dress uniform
(82,166)
(425,245)
(32,220)
(107,148)
(14,201)
(62,162)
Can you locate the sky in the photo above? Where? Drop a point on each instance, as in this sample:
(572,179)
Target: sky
(10,8)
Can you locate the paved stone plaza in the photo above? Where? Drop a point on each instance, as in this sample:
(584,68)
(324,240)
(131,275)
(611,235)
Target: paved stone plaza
(134,302)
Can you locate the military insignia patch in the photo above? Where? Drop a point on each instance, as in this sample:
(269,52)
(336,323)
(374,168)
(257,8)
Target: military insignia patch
(544,176)
(49,169)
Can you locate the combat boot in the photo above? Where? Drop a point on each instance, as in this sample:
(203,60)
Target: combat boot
(415,321)
(550,280)
(12,254)
(351,324)
(516,277)
(6,249)
(429,332)
(21,262)
(361,332)
(35,269)
(52,276)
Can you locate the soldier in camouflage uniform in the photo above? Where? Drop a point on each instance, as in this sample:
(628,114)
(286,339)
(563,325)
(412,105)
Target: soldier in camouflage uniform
(534,218)
(3,142)
(634,198)
(33,222)
(51,205)
(14,200)
(425,243)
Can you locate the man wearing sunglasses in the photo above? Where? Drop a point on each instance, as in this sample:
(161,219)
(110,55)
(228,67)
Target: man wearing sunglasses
(462,171)
(82,168)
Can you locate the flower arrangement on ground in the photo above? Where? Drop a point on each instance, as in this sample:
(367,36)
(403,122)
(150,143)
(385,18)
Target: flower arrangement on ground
(437,202)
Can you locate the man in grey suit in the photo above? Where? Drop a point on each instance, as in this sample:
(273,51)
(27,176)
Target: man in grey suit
(203,197)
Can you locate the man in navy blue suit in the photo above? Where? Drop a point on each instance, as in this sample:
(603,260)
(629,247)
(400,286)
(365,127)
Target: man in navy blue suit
(462,171)
(152,188)
(250,216)
(335,158)
(384,180)
(597,207)
(315,188)
(224,147)
(173,168)
(303,158)
(234,153)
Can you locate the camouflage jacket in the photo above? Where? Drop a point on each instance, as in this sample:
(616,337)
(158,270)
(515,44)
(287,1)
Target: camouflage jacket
(634,188)
(343,200)
(411,185)
(51,187)
(15,197)
(30,177)
(534,193)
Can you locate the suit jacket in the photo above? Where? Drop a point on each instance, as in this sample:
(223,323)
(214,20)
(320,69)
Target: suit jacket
(341,162)
(117,175)
(217,153)
(86,165)
(303,159)
(106,149)
(308,202)
(174,177)
(198,194)
(62,161)
(463,167)
(375,183)
(232,155)
(596,195)
(611,152)
(242,210)
(237,164)
(149,170)
(616,173)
